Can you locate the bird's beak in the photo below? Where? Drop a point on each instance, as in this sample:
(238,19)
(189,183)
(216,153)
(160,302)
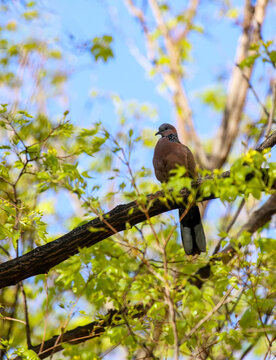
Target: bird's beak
(158,133)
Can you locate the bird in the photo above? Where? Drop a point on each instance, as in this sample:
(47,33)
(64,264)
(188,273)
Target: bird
(169,153)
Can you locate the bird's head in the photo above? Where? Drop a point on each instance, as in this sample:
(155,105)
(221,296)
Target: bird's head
(165,130)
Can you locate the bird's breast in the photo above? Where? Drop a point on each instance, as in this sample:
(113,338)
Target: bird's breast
(168,155)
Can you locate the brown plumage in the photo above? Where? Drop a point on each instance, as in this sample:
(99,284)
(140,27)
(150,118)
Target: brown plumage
(169,153)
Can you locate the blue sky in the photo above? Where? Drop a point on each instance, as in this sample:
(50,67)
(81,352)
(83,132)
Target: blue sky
(69,24)
(213,54)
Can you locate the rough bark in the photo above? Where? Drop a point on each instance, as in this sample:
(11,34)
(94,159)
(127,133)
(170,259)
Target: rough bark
(43,258)
(87,332)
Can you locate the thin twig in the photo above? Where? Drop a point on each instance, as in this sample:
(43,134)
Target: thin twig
(232,222)
(270,346)
(254,92)
(247,350)
(46,315)
(12,319)
(207,317)
(26,312)
(5,251)
(271,114)
(253,288)
(13,313)
(170,305)
(59,338)
(254,341)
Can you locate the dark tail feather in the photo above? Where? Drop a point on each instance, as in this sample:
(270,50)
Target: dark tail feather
(192,233)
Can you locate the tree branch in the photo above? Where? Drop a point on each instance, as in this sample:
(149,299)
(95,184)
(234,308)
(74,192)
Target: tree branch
(173,78)
(183,111)
(113,317)
(190,14)
(268,143)
(271,114)
(207,317)
(239,84)
(43,258)
(258,219)
(87,332)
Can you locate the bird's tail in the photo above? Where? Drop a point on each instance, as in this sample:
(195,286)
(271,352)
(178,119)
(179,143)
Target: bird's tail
(192,233)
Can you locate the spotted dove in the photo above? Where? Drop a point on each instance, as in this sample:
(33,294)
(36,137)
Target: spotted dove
(168,154)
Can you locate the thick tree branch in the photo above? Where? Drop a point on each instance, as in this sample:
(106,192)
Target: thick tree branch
(115,317)
(258,219)
(87,332)
(183,111)
(43,258)
(239,84)
(190,14)
(174,76)
(268,143)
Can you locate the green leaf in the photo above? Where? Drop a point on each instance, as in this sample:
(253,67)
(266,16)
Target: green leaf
(34,151)
(249,318)
(214,97)
(26,354)
(272,56)
(223,234)
(101,48)
(4,232)
(249,61)
(24,113)
(30,15)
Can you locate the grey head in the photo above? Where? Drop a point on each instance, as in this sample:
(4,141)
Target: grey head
(169,131)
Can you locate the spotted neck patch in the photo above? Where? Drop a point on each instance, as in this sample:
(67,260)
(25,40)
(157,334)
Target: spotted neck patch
(173,138)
